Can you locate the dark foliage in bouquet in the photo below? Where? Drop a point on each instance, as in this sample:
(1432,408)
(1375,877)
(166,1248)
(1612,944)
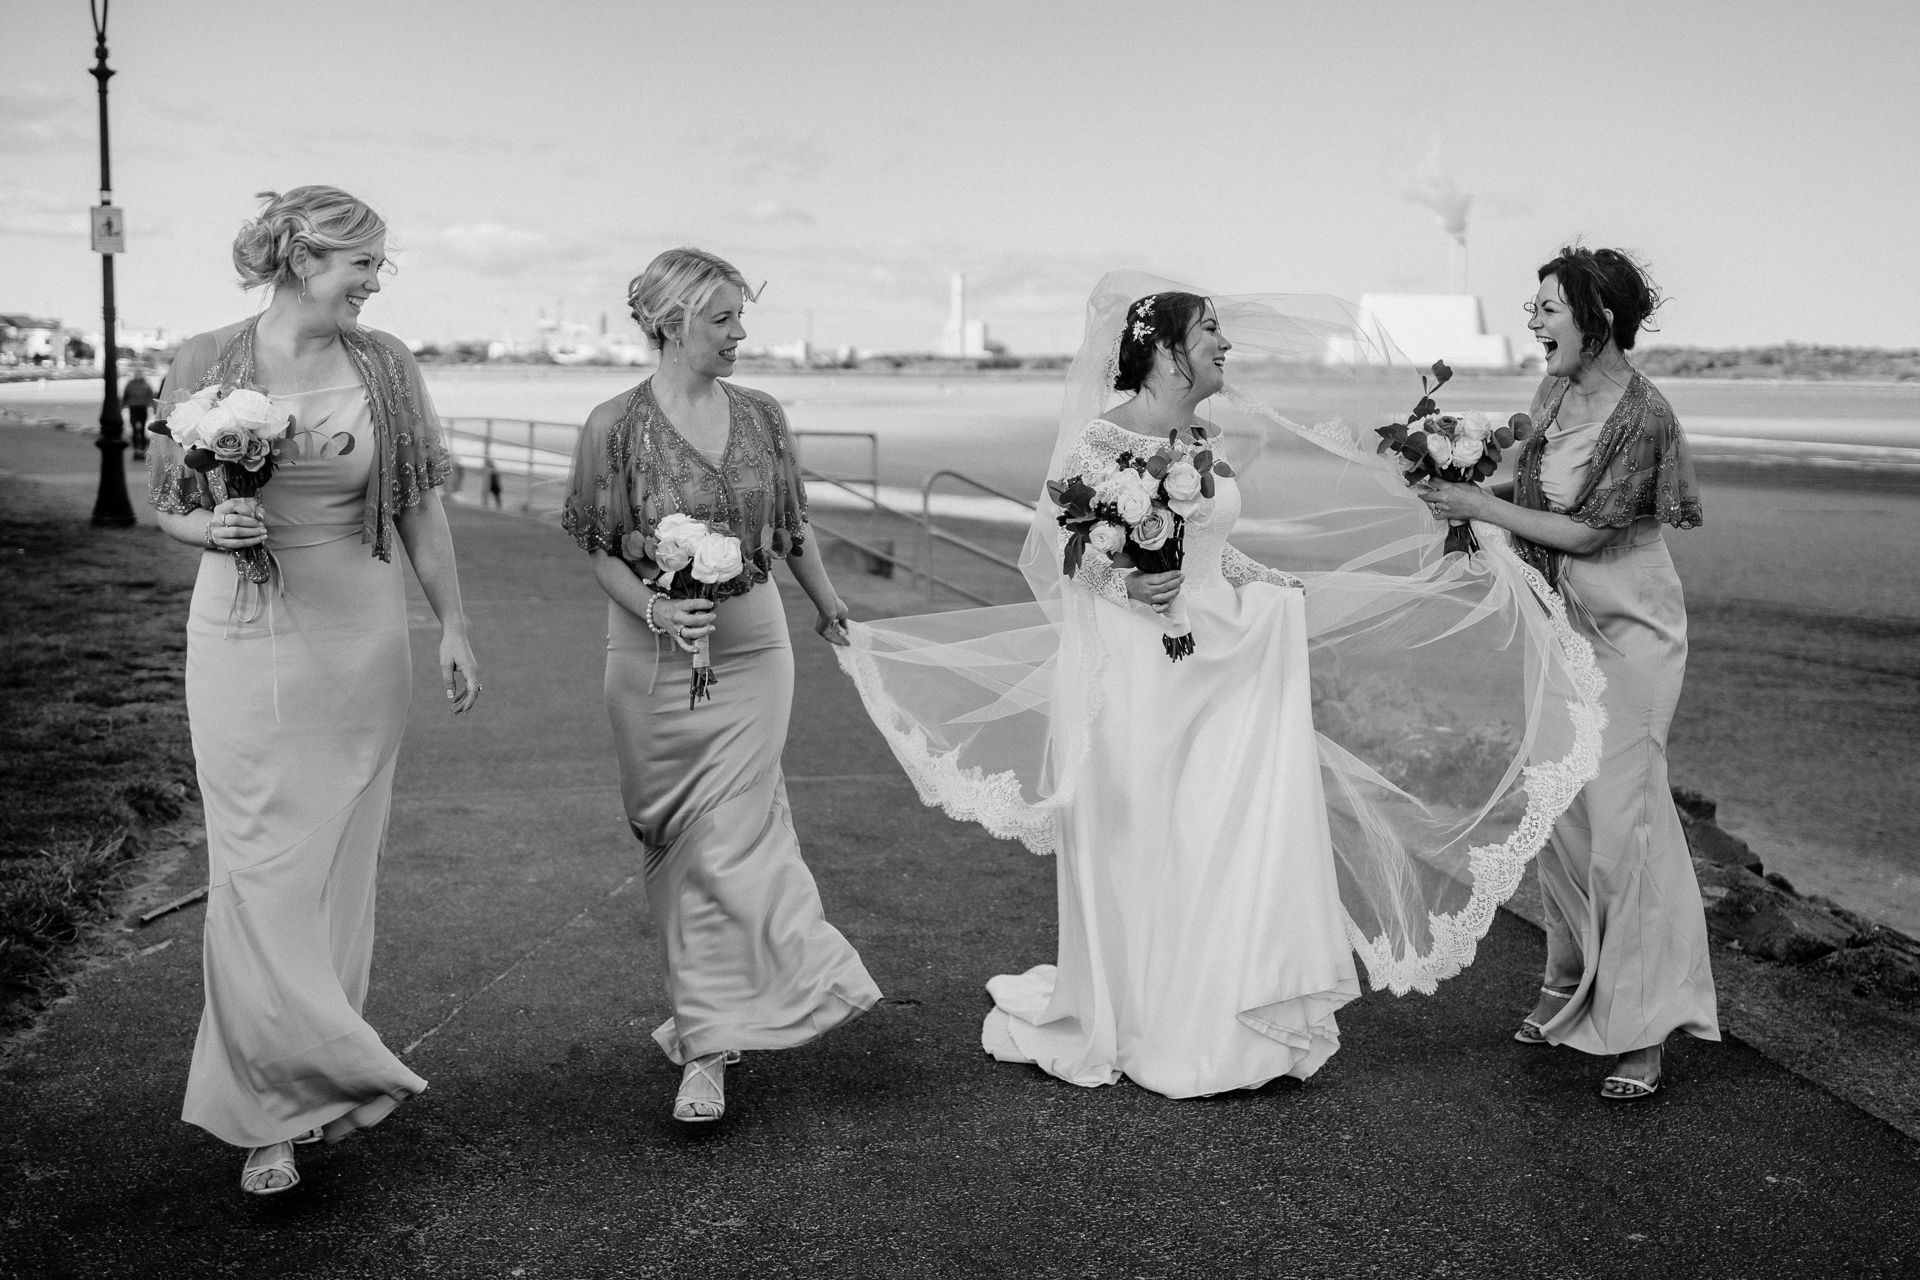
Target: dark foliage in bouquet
(1137,515)
(237,437)
(1462,448)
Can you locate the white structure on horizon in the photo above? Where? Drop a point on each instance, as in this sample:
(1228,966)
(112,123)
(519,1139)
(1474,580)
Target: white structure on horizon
(1439,326)
(962,337)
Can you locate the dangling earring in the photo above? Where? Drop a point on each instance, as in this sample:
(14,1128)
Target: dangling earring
(303,290)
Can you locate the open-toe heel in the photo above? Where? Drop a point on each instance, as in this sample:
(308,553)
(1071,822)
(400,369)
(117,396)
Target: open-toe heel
(258,1179)
(705,1110)
(1533,1031)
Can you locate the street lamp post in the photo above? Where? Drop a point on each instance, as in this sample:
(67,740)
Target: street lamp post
(111,506)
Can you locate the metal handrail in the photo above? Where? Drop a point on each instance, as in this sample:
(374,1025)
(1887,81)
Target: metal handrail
(873,453)
(929,531)
(491,435)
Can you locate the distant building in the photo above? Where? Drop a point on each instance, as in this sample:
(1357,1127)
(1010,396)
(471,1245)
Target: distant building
(28,339)
(1440,326)
(963,337)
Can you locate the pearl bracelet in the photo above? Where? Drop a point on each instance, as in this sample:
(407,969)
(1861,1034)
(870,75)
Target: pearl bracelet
(653,626)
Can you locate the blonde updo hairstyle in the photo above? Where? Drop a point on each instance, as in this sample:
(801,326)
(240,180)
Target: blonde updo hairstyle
(676,285)
(324,219)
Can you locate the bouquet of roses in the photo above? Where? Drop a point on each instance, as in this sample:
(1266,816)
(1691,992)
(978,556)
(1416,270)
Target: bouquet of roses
(696,559)
(234,436)
(1136,512)
(1463,448)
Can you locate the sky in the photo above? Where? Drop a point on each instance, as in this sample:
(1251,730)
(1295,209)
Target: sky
(1759,156)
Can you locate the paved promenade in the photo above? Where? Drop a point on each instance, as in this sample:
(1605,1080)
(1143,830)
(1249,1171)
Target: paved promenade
(516,969)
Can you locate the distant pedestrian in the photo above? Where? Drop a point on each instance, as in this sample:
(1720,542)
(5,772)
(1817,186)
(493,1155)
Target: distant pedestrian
(1627,960)
(298,697)
(493,485)
(138,399)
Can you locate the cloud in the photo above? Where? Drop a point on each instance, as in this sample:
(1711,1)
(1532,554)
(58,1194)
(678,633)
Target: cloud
(43,122)
(35,213)
(770,156)
(774,211)
(494,249)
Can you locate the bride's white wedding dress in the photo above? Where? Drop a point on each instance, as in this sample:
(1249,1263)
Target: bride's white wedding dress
(1203,946)
(1224,860)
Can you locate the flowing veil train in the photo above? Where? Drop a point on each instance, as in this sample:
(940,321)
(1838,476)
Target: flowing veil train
(1458,713)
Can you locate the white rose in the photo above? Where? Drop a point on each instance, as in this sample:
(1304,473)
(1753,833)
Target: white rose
(675,538)
(1107,537)
(1440,449)
(1476,426)
(1467,450)
(184,419)
(717,558)
(1182,481)
(1135,499)
(249,408)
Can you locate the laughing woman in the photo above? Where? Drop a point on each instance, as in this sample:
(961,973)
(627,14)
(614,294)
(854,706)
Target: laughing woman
(1627,960)
(297,688)
(751,962)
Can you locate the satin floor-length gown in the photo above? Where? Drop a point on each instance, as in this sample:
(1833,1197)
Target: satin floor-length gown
(297,716)
(1626,931)
(750,958)
(1202,944)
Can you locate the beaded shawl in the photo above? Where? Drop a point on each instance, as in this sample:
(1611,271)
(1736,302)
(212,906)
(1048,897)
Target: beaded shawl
(409,455)
(1641,467)
(629,476)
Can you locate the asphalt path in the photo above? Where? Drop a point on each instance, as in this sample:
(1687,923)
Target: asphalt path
(516,968)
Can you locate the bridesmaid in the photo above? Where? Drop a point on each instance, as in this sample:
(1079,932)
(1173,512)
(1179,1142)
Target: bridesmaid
(297,690)
(751,961)
(1627,961)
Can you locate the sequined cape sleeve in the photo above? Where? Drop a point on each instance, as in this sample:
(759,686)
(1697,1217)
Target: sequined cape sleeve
(413,456)
(605,487)
(1642,466)
(172,486)
(786,526)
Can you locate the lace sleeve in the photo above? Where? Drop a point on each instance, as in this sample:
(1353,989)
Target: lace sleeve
(1096,452)
(1241,568)
(1098,575)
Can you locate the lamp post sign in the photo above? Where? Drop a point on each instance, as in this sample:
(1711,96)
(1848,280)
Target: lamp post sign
(109,229)
(110,505)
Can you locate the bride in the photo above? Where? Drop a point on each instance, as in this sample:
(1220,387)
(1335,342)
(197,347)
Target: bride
(1309,782)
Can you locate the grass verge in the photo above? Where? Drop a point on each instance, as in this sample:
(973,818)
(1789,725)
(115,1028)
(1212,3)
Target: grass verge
(93,723)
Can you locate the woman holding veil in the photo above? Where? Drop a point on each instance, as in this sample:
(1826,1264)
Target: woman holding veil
(1219,856)
(750,958)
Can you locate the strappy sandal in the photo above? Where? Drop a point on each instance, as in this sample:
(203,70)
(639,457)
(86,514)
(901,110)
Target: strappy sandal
(1628,1089)
(256,1179)
(308,1138)
(705,1110)
(1532,1032)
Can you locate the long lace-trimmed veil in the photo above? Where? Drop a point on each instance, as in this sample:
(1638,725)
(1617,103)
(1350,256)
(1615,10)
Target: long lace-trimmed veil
(1457,712)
